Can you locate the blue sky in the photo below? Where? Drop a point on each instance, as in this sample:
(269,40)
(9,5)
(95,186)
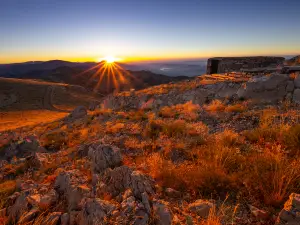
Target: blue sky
(136,29)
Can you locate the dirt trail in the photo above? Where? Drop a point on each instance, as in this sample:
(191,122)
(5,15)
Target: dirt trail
(47,100)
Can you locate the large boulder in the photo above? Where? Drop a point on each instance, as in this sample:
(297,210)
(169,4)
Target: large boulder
(162,214)
(290,86)
(133,211)
(43,201)
(94,212)
(39,160)
(115,181)
(296,96)
(22,148)
(78,113)
(18,208)
(266,89)
(103,157)
(201,207)
(228,90)
(297,81)
(290,214)
(71,185)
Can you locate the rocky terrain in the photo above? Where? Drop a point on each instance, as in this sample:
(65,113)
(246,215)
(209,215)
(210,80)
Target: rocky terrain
(212,150)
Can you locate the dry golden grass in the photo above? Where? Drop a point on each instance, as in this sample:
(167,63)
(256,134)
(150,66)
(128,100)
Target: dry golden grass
(187,111)
(114,127)
(272,176)
(218,164)
(215,106)
(291,138)
(6,189)
(235,108)
(38,102)
(17,119)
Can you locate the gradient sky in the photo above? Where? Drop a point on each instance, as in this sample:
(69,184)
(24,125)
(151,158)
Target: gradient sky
(146,29)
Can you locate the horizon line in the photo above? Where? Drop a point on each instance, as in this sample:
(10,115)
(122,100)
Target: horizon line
(145,59)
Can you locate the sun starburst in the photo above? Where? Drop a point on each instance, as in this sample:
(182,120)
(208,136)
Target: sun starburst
(108,75)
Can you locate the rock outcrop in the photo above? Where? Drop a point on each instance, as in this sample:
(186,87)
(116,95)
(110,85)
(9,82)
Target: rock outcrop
(26,147)
(201,207)
(115,181)
(94,212)
(78,113)
(103,157)
(290,214)
(71,185)
(266,89)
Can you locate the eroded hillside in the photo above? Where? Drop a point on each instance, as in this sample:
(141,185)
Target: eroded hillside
(29,102)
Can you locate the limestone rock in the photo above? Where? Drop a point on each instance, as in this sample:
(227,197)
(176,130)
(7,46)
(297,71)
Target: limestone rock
(290,86)
(39,160)
(115,181)
(64,219)
(22,149)
(162,213)
(290,214)
(43,201)
(71,186)
(228,91)
(141,183)
(73,217)
(201,207)
(133,211)
(78,113)
(296,96)
(270,89)
(103,157)
(170,192)
(297,82)
(94,211)
(18,208)
(258,213)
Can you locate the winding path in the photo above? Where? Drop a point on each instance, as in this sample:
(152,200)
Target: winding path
(47,100)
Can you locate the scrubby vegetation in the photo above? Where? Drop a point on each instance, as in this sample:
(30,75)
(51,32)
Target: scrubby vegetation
(203,152)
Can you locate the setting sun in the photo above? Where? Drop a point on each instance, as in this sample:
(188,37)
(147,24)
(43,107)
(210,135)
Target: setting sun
(109,59)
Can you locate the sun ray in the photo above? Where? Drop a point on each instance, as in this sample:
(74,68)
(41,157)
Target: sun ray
(110,72)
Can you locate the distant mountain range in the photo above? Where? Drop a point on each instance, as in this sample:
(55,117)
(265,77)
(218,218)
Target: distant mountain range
(169,68)
(85,74)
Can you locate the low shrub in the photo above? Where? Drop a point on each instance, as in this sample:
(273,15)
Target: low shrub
(291,137)
(215,106)
(235,108)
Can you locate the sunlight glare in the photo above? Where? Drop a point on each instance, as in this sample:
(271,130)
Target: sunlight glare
(109,59)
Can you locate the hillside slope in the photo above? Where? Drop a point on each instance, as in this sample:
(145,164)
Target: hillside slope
(215,150)
(25,101)
(99,77)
